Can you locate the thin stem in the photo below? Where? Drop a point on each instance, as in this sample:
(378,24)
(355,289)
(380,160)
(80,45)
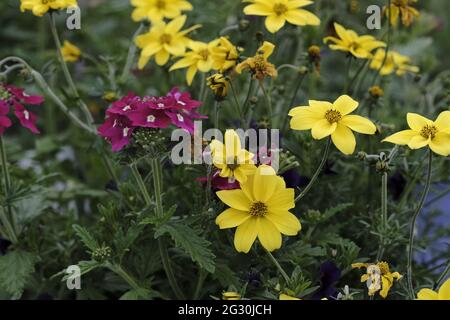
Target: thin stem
(356,76)
(130,57)
(347,75)
(316,174)
(413,224)
(236,102)
(216,114)
(384,208)
(168,269)
(201,279)
(157,183)
(268,101)
(443,275)
(9,221)
(249,93)
(294,96)
(277,264)
(140,182)
(125,276)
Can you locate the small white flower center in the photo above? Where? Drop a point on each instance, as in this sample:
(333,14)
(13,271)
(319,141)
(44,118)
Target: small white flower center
(182,103)
(115,123)
(180,117)
(160,105)
(151,118)
(26,114)
(125,131)
(126,108)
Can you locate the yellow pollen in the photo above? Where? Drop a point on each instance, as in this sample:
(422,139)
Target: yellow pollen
(280,9)
(428,131)
(258,209)
(333,116)
(165,38)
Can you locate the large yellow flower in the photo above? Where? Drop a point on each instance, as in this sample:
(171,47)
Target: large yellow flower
(280,11)
(349,41)
(424,132)
(70,52)
(260,209)
(198,59)
(325,119)
(225,55)
(442,294)
(395,62)
(234,162)
(164,40)
(40,7)
(258,65)
(378,277)
(157,10)
(403,9)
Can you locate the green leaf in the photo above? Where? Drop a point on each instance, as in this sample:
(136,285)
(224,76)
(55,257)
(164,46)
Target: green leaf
(155,220)
(88,240)
(16,268)
(188,239)
(85,267)
(139,294)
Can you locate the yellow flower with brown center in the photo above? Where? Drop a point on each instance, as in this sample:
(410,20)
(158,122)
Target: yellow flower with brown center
(218,83)
(70,52)
(234,162)
(41,7)
(378,277)
(231,295)
(349,41)
(401,9)
(225,55)
(258,65)
(324,119)
(199,58)
(157,10)
(278,12)
(394,62)
(164,40)
(260,209)
(442,294)
(424,132)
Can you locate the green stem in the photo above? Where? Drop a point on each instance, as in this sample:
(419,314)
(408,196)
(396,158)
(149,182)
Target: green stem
(9,222)
(130,57)
(294,96)
(413,224)
(384,208)
(443,275)
(247,98)
(168,269)
(236,102)
(157,183)
(125,276)
(141,185)
(201,279)
(216,114)
(347,75)
(277,264)
(356,76)
(316,174)
(268,101)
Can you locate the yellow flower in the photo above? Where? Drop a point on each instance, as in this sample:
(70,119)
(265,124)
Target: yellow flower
(157,10)
(403,9)
(260,209)
(280,11)
(70,52)
(442,294)
(225,55)
(258,65)
(287,297)
(231,295)
(325,119)
(234,162)
(395,62)
(198,59)
(376,92)
(219,85)
(424,132)
(164,40)
(378,277)
(40,7)
(349,41)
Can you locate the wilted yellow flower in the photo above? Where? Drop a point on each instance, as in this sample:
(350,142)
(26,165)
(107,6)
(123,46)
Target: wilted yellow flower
(395,62)
(403,9)
(164,40)
(198,59)
(260,209)
(378,277)
(324,119)
(70,52)
(225,55)
(40,7)
(234,162)
(258,65)
(424,132)
(376,92)
(442,294)
(218,83)
(280,11)
(314,56)
(231,295)
(349,41)
(157,10)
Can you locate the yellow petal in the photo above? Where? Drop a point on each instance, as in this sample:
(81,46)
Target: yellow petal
(303,118)
(286,297)
(245,235)
(231,218)
(444,290)
(344,139)
(258,9)
(416,121)
(274,23)
(268,234)
(190,74)
(286,222)
(232,143)
(341,32)
(176,24)
(442,123)
(302,17)
(418,142)
(359,124)
(345,105)
(322,129)
(402,137)
(235,199)
(359,265)
(386,286)
(162,57)
(267,49)
(365,277)
(427,294)
(440,144)
(282,200)
(264,186)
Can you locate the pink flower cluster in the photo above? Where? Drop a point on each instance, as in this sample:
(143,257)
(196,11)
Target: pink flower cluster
(16,98)
(132,112)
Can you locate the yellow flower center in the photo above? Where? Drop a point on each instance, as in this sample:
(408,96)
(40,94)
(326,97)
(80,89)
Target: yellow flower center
(355,46)
(428,131)
(333,116)
(165,38)
(258,209)
(280,9)
(384,267)
(161,4)
(260,63)
(204,54)
(232,163)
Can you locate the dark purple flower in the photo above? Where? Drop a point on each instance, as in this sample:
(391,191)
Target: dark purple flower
(117,129)
(219,183)
(294,180)
(329,275)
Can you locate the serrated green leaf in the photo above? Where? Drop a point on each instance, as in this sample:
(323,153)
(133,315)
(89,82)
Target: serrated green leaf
(88,240)
(187,239)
